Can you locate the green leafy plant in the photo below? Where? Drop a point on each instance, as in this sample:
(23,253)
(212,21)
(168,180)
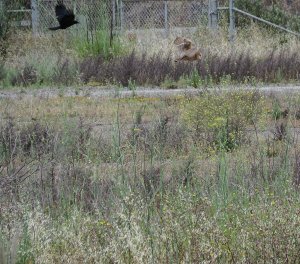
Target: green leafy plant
(195,78)
(223,117)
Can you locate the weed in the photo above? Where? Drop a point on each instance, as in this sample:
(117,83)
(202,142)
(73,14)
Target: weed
(132,86)
(195,79)
(223,117)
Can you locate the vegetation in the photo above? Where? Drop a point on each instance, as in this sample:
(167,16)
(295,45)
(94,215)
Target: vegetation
(254,61)
(240,68)
(178,179)
(223,118)
(282,13)
(95,55)
(131,180)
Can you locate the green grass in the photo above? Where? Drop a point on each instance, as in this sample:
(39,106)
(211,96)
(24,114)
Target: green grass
(98,45)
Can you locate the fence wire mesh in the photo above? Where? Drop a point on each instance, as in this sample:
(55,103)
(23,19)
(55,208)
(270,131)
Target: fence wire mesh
(91,14)
(115,15)
(162,14)
(122,15)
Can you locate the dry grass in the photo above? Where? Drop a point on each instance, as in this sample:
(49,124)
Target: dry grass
(53,59)
(253,39)
(142,188)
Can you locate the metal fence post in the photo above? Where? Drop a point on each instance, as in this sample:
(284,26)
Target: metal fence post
(166,18)
(121,16)
(34,17)
(231,21)
(113,7)
(213,14)
(112,22)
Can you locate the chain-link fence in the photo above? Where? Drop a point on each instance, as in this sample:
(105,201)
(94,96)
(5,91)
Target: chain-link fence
(119,15)
(162,14)
(91,14)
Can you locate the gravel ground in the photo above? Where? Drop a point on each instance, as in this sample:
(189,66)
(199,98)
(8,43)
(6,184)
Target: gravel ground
(111,92)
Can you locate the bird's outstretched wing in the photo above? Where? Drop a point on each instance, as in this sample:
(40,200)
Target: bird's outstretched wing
(60,11)
(64,15)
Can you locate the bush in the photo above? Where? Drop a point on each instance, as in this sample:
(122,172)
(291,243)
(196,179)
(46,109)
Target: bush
(223,117)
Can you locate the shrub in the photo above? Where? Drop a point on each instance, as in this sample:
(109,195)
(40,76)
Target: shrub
(223,117)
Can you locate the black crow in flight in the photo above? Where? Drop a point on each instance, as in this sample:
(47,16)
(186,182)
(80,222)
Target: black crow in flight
(65,17)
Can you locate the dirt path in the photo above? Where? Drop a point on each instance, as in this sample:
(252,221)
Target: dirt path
(100,92)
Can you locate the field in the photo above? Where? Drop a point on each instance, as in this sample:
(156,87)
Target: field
(173,179)
(207,175)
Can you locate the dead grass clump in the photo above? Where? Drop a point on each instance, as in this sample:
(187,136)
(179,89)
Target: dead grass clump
(273,67)
(26,76)
(90,67)
(36,139)
(32,139)
(276,66)
(141,69)
(65,73)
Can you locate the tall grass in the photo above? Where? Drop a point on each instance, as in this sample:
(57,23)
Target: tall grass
(100,44)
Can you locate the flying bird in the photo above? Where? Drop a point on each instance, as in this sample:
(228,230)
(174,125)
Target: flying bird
(187,51)
(65,17)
